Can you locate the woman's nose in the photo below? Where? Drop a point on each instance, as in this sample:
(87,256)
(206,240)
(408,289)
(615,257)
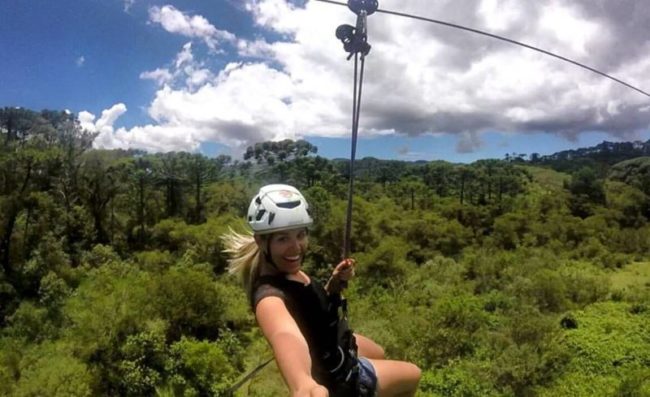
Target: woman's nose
(295,243)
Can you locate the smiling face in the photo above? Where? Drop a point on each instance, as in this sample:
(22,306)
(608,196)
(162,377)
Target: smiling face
(288,249)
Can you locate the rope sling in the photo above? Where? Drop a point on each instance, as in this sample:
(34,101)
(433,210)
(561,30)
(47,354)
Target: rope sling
(355,42)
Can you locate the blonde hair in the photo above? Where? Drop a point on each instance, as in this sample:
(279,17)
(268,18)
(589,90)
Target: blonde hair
(245,258)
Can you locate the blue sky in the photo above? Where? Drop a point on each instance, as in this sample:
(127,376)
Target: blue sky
(220,75)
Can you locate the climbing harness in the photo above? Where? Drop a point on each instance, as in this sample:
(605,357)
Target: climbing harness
(331,342)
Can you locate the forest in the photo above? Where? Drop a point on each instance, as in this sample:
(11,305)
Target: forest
(522,276)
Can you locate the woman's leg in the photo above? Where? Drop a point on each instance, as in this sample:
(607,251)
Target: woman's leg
(396,378)
(368,348)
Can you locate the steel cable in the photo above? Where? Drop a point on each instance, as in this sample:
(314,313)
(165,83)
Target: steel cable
(502,38)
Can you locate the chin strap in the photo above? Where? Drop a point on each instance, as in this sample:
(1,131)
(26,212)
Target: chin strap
(267,254)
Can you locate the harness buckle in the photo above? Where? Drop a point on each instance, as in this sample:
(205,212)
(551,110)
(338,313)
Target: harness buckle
(340,364)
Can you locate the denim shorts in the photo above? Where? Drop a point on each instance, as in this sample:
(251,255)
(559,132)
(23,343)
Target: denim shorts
(367,378)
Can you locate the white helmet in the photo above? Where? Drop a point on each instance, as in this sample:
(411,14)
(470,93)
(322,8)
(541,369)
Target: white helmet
(276,208)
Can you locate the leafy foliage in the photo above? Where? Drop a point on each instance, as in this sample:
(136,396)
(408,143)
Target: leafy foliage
(497,277)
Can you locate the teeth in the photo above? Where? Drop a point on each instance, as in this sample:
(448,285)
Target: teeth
(292,258)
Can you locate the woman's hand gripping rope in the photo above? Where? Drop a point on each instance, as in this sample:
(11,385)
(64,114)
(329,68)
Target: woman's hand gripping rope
(343,272)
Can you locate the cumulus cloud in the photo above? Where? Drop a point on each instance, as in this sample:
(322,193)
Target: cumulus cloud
(103,126)
(420,78)
(175,21)
(185,71)
(160,76)
(155,138)
(258,48)
(426,78)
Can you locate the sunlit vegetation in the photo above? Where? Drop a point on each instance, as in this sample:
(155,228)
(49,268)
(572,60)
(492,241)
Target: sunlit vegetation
(498,278)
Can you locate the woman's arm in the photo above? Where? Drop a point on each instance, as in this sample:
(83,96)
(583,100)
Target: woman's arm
(289,347)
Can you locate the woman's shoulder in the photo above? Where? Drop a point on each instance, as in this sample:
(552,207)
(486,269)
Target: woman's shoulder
(264,289)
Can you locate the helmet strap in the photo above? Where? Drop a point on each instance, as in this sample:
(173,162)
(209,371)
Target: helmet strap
(267,254)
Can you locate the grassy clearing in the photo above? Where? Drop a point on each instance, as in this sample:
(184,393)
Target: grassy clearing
(547,177)
(635,274)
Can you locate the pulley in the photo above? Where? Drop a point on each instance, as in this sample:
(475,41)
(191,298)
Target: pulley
(357,6)
(355,38)
(353,43)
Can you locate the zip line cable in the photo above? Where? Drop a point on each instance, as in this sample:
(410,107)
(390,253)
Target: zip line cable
(494,36)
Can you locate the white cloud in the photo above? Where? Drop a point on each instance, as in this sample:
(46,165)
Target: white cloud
(103,126)
(570,30)
(160,76)
(500,15)
(255,49)
(80,61)
(420,78)
(175,21)
(185,71)
(128,4)
(185,56)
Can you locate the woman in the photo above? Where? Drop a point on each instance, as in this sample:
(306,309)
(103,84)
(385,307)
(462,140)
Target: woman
(315,350)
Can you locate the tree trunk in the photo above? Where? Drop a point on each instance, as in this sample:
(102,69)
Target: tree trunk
(197,210)
(112,227)
(26,233)
(5,240)
(462,188)
(141,212)
(99,227)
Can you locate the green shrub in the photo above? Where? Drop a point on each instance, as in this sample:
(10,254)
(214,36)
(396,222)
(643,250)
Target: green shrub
(50,370)
(31,323)
(203,365)
(385,265)
(113,301)
(187,298)
(458,379)
(144,360)
(454,329)
(154,261)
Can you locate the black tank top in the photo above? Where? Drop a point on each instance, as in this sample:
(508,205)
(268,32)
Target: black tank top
(318,319)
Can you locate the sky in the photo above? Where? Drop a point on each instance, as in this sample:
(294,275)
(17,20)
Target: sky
(217,76)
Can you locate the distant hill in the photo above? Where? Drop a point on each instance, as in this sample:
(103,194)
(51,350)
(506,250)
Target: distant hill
(602,156)
(635,172)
